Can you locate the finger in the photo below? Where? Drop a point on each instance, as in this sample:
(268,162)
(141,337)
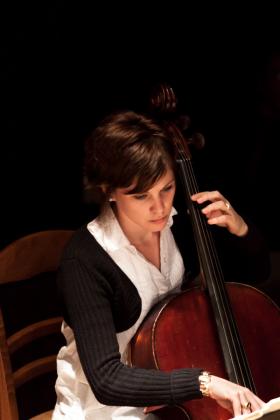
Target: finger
(250,402)
(199,196)
(222,220)
(207,196)
(246,405)
(236,406)
(217,205)
(260,402)
(227,204)
(256,402)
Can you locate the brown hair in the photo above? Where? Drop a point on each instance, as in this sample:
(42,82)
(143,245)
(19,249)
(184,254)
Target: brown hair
(125,148)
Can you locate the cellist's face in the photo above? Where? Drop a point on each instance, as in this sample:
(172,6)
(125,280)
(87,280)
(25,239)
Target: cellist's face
(146,212)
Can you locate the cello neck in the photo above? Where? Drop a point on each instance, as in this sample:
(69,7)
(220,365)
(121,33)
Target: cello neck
(234,356)
(237,367)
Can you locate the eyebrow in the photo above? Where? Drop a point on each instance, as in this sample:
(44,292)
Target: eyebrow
(169,182)
(145,192)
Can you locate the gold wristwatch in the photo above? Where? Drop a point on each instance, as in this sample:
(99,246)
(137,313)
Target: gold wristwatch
(204,382)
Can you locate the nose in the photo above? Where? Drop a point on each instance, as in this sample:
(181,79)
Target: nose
(158,206)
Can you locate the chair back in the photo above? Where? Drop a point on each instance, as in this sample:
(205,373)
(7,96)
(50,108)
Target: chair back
(30,323)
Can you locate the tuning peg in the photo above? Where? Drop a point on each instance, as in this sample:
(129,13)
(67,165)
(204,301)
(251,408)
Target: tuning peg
(197,140)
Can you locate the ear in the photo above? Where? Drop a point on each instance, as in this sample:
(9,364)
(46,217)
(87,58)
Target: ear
(105,191)
(112,197)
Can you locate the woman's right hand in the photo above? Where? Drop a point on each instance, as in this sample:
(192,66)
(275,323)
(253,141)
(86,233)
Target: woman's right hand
(219,212)
(233,397)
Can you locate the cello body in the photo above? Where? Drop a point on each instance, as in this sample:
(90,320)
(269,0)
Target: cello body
(180,332)
(229,329)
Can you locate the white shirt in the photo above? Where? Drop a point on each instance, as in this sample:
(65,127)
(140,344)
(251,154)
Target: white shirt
(75,398)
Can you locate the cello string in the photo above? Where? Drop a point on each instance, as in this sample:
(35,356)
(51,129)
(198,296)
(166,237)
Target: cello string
(212,265)
(223,297)
(203,231)
(224,317)
(196,221)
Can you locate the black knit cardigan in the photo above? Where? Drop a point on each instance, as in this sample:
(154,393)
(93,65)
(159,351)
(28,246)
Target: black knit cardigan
(99,300)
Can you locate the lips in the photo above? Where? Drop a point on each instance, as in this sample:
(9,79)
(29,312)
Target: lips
(161,220)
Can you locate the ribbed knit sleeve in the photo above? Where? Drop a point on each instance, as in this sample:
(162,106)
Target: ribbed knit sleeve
(88,297)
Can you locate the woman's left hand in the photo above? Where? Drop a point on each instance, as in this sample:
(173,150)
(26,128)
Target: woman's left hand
(219,212)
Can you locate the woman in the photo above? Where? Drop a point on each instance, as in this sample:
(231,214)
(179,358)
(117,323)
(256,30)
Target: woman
(121,264)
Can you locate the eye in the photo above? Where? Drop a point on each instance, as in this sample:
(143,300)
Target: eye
(168,188)
(140,196)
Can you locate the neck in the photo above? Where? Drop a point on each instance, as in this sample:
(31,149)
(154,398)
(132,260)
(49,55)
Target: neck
(149,238)
(137,237)
(134,234)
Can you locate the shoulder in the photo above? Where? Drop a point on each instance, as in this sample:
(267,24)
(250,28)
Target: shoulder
(84,250)
(84,247)
(84,261)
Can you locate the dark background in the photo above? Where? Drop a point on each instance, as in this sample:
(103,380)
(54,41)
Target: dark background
(66,66)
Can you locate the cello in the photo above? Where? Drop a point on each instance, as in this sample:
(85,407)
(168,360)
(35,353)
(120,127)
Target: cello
(217,326)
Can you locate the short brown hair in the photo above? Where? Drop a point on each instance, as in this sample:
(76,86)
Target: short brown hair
(127,147)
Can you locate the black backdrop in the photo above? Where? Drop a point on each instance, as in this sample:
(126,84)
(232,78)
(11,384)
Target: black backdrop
(64,67)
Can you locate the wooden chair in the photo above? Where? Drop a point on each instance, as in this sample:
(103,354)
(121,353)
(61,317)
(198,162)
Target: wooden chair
(29,314)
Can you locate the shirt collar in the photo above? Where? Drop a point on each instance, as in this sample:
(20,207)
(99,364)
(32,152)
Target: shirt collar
(107,231)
